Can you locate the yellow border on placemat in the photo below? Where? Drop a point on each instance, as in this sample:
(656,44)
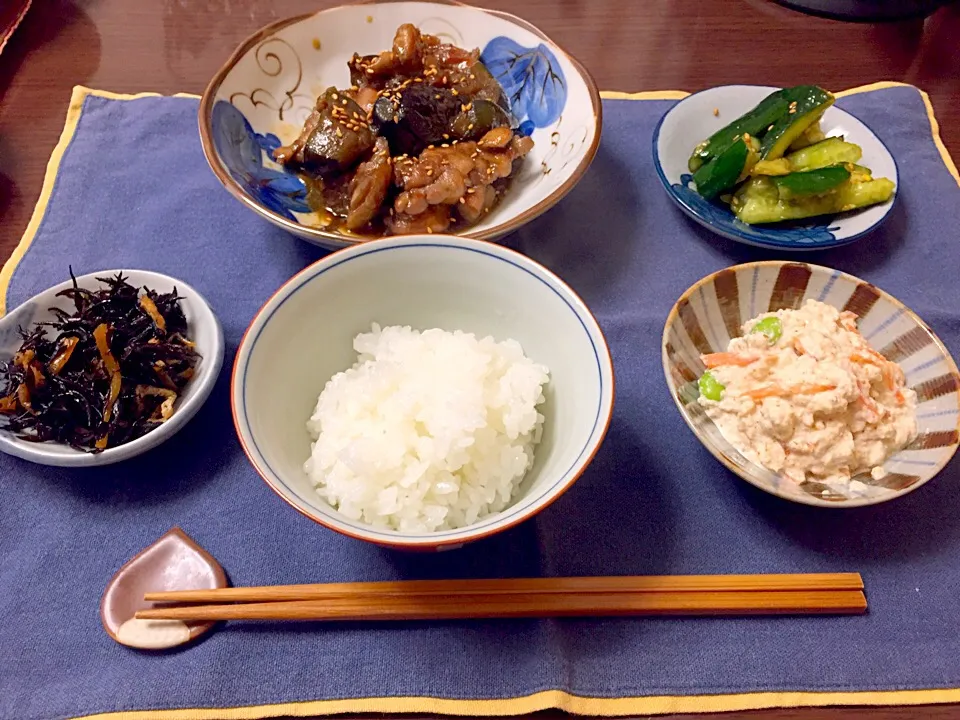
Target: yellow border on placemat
(547,700)
(77,99)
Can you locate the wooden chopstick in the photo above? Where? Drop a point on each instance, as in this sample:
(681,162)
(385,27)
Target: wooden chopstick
(520,586)
(737,602)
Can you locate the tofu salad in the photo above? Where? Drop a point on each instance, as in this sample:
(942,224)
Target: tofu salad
(803,394)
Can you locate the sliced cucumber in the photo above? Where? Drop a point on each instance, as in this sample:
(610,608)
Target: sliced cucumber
(853,195)
(753,157)
(831,151)
(810,182)
(758,201)
(723,171)
(807,104)
(811,135)
(780,166)
(755,122)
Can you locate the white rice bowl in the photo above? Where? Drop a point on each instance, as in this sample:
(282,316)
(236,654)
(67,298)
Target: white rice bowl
(428,431)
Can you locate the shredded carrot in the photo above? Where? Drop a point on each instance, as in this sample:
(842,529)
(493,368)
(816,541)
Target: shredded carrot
(23,396)
(8,404)
(775,391)
(848,320)
(23,359)
(63,355)
(39,380)
(718,359)
(798,347)
(150,307)
(868,402)
(900,397)
(889,378)
(112,366)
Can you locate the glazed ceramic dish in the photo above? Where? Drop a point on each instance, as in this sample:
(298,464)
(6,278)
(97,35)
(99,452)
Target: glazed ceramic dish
(692,120)
(711,312)
(424,282)
(261,97)
(204,330)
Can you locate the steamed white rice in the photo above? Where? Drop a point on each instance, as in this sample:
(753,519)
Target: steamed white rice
(428,430)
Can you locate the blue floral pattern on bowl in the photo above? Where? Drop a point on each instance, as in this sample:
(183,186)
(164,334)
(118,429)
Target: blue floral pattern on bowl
(531,78)
(242,152)
(724,221)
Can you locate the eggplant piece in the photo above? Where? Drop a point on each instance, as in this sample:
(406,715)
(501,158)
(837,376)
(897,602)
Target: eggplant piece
(419,115)
(335,137)
(416,116)
(481,117)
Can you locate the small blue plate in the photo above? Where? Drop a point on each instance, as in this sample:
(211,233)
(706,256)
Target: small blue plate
(700,115)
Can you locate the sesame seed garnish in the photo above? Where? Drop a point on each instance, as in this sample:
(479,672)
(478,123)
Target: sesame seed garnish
(335,96)
(470,126)
(396,119)
(437,96)
(446,137)
(471,190)
(430,230)
(445,145)
(454,91)
(339,132)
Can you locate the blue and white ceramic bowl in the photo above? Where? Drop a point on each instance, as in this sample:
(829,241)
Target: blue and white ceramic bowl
(426,281)
(711,312)
(692,120)
(260,98)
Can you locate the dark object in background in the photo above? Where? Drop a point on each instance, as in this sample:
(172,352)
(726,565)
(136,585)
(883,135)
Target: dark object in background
(867,10)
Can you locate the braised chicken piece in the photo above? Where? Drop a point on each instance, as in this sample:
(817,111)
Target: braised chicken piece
(369,187)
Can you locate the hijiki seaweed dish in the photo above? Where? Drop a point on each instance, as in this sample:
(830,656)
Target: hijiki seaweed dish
(103,375)
(422,142)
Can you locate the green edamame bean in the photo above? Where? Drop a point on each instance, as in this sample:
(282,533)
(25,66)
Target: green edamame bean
(710,387)
(771,327)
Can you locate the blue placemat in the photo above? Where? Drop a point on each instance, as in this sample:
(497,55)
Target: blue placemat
(134,190)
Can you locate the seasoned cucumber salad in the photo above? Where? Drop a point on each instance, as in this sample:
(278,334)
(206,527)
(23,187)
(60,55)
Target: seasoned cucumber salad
(774,163)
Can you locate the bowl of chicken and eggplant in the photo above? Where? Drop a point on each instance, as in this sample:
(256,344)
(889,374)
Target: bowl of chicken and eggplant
(396,118)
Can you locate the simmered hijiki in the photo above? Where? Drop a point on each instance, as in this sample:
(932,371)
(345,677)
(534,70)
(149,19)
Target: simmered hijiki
(101,376)
(421,142)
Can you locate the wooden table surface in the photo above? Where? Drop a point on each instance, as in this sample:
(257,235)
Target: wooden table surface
(172,46)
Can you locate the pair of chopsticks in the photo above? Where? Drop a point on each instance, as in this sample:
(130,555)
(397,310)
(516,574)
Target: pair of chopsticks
(799,594)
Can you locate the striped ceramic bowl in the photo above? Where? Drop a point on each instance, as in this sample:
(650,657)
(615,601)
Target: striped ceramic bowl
(711,312)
